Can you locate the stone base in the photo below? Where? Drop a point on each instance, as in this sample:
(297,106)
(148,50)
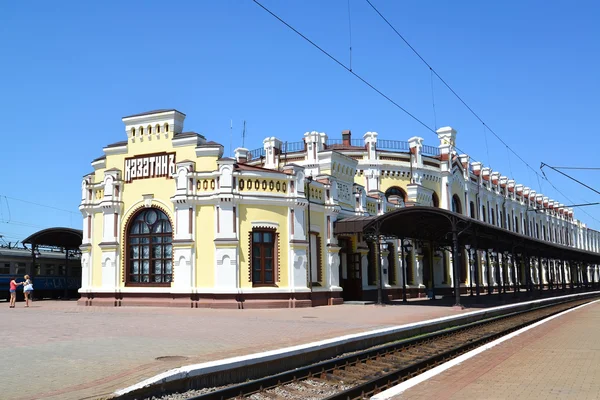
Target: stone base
(221,301)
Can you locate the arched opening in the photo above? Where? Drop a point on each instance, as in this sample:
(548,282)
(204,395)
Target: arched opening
(149,251)
(456,205)
(149,130)
(435,200)
(141,130)
(157,128)
(132,131)
(166,127)
(395,193)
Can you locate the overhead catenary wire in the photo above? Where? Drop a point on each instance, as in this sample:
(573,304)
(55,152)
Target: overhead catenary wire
(433,102)
(341,64)
(350,33)
(466,105)
(37,204)
(412,116)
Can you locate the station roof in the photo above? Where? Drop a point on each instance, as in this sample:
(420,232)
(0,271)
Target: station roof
(436,225)
(57,237)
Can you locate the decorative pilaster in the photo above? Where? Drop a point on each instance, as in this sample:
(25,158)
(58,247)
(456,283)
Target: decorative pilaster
(226,230)
(447,137)
(112,209)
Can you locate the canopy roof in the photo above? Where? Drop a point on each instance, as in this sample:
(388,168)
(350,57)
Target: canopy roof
(57,237)
(437,225)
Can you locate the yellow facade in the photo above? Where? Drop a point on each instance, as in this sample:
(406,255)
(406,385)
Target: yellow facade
(211,206)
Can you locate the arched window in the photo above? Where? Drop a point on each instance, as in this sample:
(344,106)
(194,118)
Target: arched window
(141,130)
(456,206)
(166,127)
(516,224)
(132,131)
(149,130)
(149,249)
(483,214)
(493,218)
(395,191)
(157,128)
(472,209)
(435,199)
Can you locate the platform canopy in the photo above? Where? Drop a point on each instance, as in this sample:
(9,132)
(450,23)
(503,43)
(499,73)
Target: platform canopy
(438,225)
(56,237)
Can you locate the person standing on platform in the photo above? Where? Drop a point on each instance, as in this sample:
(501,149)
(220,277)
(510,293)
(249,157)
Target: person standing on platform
(27,290)
(13,291)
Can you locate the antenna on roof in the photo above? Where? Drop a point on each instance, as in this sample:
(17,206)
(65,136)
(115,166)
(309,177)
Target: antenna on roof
(244,134)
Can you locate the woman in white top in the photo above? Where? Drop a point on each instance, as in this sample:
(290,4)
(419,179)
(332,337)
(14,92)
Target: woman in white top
(27,290)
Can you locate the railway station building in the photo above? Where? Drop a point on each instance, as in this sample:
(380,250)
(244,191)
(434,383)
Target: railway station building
(168,220)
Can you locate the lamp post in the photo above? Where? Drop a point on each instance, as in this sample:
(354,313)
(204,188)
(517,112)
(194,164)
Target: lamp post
(404,246)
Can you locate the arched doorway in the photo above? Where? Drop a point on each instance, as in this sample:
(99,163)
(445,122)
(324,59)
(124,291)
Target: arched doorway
(456,204)
(435,200)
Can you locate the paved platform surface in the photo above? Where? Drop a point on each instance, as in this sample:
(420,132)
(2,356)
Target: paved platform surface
(58,350)
(556,360)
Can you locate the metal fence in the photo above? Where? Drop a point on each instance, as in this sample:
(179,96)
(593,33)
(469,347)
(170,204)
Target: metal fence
(431,150)
(292,147)
(332,142)
(397,145)
(257,153)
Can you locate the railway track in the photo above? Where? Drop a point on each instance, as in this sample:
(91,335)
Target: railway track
(365,373)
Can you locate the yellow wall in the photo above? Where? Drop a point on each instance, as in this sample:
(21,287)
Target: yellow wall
(387,182)
(162,189)
(435,186)
(266,213)
(318,218)
(97,251)
(205,246)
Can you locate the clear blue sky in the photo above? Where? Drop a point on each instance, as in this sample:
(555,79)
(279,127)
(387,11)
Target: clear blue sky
(71,70)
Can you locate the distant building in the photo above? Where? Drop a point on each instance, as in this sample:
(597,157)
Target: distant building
(168,220)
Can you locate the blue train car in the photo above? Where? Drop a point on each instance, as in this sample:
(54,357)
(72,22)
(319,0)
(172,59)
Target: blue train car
(52,276)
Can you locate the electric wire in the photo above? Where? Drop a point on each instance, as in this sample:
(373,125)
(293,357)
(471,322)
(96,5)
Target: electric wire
(37,204)
(363,80)
(350,32)
(412,116)
(433,102)
(464,103)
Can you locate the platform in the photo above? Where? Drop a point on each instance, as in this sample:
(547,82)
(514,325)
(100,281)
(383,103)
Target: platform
(559,359)
(58,350)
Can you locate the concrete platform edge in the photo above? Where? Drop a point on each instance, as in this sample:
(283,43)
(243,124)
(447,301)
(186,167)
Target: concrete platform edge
(342,344)
(402,387)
